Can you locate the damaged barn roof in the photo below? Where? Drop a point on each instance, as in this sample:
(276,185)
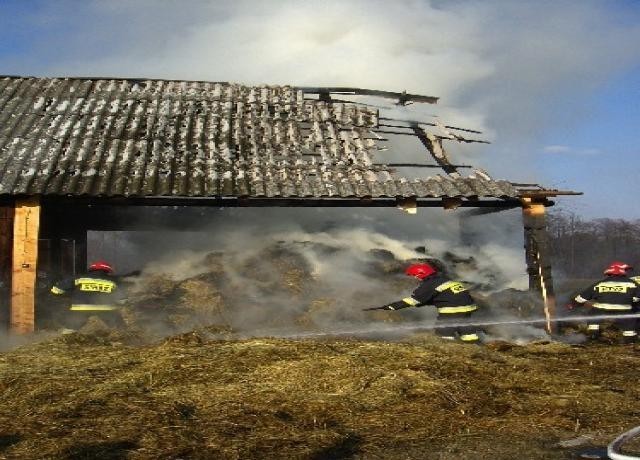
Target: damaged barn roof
(158,138)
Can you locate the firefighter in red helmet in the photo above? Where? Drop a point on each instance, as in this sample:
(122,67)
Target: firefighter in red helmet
(451,298)
(614,295)
(94,293)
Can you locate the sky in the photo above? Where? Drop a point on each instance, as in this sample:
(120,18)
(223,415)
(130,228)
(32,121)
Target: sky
(554,85)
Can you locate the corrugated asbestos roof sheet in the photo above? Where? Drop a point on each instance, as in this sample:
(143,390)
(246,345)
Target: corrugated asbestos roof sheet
(196,139)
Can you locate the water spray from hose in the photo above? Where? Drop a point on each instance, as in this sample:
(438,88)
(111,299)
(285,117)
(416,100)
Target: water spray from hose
(423,326)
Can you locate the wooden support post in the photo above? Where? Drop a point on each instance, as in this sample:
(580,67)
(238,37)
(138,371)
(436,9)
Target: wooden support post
(538,257)
(25,260)
(6,250)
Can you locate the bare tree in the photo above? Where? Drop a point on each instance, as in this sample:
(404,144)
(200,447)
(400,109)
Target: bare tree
(582,248)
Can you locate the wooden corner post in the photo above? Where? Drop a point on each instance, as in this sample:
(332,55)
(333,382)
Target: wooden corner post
(25,258)
(538,257)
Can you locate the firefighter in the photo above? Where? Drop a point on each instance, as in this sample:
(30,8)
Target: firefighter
(92,294)
(452,299)
(612,296)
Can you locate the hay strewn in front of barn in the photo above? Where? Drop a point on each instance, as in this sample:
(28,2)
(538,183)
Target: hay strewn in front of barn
(81,396)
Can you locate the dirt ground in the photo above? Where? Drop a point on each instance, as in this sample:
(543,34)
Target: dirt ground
(190,396)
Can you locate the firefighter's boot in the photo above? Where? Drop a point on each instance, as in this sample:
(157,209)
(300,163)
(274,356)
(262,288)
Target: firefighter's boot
(629,337)
(593,331)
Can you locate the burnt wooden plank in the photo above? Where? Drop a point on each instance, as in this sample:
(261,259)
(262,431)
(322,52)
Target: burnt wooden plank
(435,148)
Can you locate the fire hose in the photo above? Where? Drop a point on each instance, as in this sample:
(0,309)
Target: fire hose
(613,449)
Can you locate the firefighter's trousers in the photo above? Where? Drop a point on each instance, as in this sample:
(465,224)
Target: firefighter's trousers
(627,326)
(451,326)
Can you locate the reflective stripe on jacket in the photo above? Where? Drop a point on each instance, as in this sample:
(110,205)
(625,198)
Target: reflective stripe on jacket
(611,306)
(85,307)
(460,309)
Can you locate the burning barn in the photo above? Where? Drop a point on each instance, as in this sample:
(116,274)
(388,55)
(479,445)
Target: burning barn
(77,154)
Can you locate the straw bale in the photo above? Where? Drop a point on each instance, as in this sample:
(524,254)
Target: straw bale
(201,298)
(94,326)
(156,292)
(215,263)
(293,280)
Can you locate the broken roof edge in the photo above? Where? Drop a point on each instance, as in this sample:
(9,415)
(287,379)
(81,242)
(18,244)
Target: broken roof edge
(246,201)
(538,191)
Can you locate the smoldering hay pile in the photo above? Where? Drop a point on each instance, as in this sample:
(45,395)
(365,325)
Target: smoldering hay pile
(284,287)
(274,289)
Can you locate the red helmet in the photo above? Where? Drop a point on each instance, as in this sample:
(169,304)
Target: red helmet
(101,266)
(617,268)
(420,271)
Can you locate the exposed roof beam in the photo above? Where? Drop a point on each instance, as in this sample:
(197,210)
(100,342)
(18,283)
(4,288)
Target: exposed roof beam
(417,165)
(435,148)
(402,98)
(426,123)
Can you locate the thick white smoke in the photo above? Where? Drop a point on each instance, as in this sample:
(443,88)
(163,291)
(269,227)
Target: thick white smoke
(332,257)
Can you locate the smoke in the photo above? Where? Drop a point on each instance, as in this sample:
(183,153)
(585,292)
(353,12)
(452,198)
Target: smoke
(11,341)
(290,270)
(517,333)
(494,243)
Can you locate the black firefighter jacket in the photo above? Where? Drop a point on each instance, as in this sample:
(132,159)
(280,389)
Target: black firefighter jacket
(613,293)
(93,291)
(449,297)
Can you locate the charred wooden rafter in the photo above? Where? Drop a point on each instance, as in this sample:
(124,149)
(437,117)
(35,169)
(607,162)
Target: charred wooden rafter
(403,98)
(416,165)
(410,123)
(435,148)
